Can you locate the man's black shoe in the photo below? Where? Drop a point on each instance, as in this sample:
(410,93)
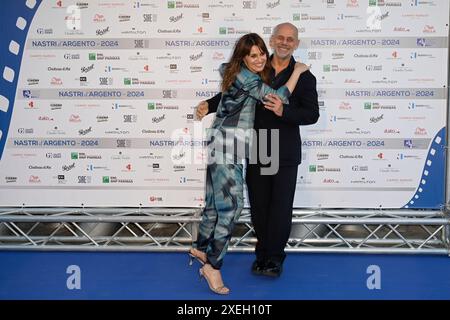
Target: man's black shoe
(272,269)
(258,267)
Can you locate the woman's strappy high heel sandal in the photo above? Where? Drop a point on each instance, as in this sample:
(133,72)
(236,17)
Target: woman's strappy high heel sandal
(220,288)
(197,255)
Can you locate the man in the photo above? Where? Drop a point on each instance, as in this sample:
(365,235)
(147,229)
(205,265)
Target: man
(271,196)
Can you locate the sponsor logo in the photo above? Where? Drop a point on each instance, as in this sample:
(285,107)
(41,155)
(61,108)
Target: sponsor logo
(87,69)
(360,168)
(129,118)
(10,179)
(178,156)
(82,5)
(32,81)
(392,131)
(83,81)
(345,106)
(357,131)
(120,156)
(350,156)
(99,18)
(170,94)
(135,31)
(56,81)
(50,155)
(429,29)
(105,81)
(323,156)
(150,17)
(271,5)
(84,132)
(56,131)
(123,143)
(420,131)
(44,31)
(249,4)
(114,179)
(101,32)
(195,57)
(336,68)
(83,155)
(74,118)
(364,55)
(401,29)
(56,69)
(34,179)
(137,81)
(101,56)
(330,181)
(84,179)
(352,4)
(91,167)
(29,95)
(195,69)
(72,56)
(408,143)
(363,180)
(374,67)
(124,18)
(159,119)
(45,118)
(55,106)
(25,130)
(150,131)
(153,199)
(218,56)
(102,118)
(179,168)
(189,180)
(169,31)
(376,119)
(61,179)
(314,55)
(69,167)
(176,18)
(117,131)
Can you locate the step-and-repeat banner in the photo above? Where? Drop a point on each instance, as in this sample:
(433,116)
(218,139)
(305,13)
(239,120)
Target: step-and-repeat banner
(97,99)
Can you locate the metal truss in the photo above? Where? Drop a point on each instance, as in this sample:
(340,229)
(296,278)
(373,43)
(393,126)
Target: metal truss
(174,229)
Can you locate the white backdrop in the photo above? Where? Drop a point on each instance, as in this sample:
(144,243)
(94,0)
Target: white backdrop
(104,86)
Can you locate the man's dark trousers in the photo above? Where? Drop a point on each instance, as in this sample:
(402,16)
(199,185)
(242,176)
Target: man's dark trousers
(271,198)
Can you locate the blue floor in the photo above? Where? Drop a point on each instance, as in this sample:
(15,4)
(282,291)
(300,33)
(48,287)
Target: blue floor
(167,276)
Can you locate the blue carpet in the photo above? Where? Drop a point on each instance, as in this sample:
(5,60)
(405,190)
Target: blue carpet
(167,276)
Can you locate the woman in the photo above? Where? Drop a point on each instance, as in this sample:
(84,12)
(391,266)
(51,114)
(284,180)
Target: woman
(243,85)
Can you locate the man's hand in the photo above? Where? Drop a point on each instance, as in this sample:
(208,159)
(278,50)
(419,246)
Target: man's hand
(301,66)
(201,110)
(274,104)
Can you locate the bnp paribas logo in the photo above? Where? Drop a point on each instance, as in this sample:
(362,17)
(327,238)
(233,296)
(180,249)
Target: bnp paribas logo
(105,179)
(151,106)
(74,156)
(127,81)
(312,168)
(92,56)
(171,4)
(326,68)
(222,30)
(373,3)
(367,105)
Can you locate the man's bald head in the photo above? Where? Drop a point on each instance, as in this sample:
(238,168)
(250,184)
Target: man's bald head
(285,25)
